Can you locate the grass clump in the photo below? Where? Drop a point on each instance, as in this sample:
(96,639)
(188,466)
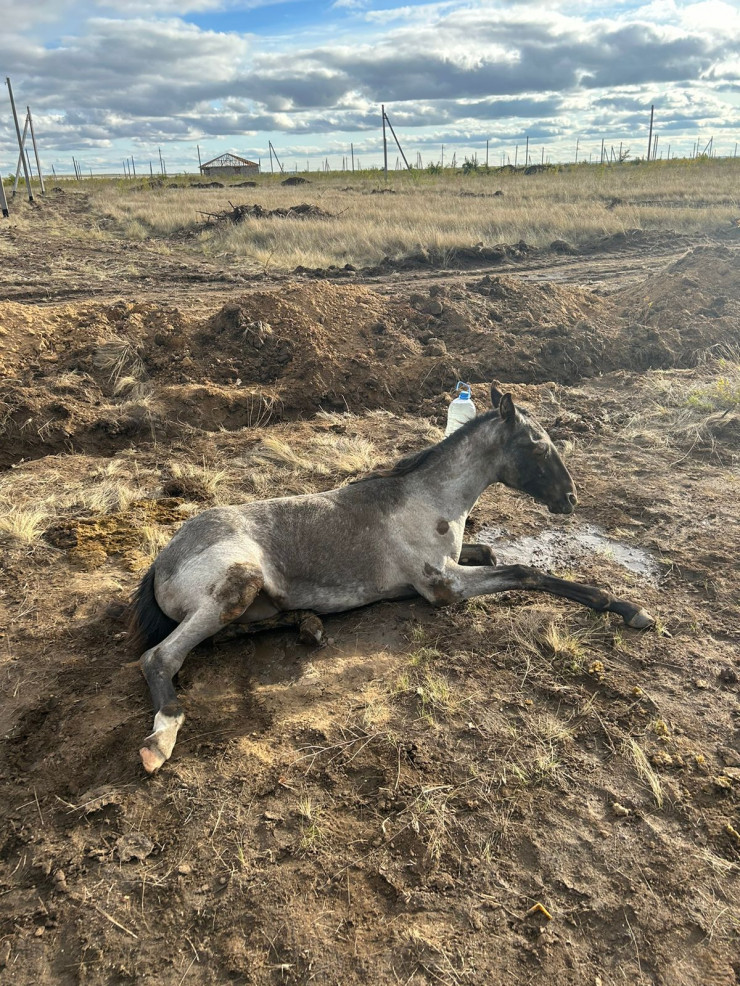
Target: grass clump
(25,525)
(722,394)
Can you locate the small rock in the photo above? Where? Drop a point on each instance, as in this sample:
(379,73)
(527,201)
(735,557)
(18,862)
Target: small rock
(728,676)
(136,845)
(436,347)
(443,881)
(620,810)
(39,931)
(60,882)
(184,869)
(561,246)
(434,307)
(701,683)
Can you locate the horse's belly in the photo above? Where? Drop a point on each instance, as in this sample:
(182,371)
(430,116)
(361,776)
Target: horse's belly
(324,599)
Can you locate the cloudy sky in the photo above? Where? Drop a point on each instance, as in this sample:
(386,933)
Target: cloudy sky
(107,79)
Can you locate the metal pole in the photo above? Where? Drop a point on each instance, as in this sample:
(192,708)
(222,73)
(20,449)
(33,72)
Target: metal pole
(133,165)
(650,135)
(352,151)
(516,155)
(526,155)
(3,200)
(486,151)
(20,142)
(385,144)
(35,150)
(20,156)
(578,140)
(200,166)
(161,163)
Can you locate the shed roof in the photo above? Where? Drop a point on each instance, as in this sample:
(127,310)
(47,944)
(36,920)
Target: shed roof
(228,160)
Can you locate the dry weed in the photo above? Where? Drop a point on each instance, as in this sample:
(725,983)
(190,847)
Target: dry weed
(23,524)
(645,771)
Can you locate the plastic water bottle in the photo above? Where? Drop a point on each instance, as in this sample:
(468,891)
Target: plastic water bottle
(462,409)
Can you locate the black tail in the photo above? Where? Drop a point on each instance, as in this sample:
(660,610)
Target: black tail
(147,625)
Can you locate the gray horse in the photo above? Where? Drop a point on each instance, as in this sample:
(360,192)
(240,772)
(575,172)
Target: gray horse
(394,534)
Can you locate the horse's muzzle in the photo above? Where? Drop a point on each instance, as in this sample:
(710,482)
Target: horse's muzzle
(566,506)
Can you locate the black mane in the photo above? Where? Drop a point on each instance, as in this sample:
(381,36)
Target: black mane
(415,460)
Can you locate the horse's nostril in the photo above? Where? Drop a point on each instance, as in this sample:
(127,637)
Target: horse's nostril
(572,499)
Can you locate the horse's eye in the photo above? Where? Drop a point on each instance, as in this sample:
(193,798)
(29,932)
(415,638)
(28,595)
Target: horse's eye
(540,449)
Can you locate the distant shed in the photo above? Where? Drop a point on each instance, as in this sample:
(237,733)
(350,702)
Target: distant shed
(229,165)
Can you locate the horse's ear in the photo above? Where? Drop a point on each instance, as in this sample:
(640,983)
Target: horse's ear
(506,408)
(496,395)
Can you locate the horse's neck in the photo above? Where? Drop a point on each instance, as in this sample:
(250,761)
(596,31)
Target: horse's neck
(457,478)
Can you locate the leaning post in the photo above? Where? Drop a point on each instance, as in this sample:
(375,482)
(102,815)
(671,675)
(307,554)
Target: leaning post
(20,142)
(20,156)
(35,150)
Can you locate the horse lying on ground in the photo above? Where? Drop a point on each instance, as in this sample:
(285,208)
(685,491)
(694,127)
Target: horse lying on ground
(394,534)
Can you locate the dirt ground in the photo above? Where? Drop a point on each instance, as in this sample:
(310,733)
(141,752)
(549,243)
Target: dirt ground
(511,790)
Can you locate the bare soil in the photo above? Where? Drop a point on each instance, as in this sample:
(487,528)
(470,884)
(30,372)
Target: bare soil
(510,790)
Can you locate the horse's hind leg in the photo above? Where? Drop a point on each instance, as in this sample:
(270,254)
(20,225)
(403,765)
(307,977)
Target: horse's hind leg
(160,665)
(225,600)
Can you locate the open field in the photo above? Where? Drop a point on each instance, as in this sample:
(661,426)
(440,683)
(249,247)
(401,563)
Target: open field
(391,808)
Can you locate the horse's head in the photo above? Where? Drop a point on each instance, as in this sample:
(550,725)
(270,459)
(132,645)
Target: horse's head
(531,462)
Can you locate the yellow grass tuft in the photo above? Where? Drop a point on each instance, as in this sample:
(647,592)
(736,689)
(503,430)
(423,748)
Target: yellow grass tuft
(24,524)
(645,771)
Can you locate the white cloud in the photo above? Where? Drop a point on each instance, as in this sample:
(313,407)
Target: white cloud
(453,67)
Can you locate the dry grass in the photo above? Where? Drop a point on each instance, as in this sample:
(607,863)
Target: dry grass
(433,213)
(685,409)
(278,464)
(23,524)
(645,771)
(121,361)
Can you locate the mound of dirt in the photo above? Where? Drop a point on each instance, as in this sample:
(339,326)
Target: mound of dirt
(100,378)
(690,307)
(296,180)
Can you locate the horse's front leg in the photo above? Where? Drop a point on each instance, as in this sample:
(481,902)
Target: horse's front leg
(454,582)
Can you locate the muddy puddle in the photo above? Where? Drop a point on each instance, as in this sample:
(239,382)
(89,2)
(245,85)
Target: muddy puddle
(562,547)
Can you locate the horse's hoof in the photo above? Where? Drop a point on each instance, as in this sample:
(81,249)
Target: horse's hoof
(642,620)
(152,759)
(311,631)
